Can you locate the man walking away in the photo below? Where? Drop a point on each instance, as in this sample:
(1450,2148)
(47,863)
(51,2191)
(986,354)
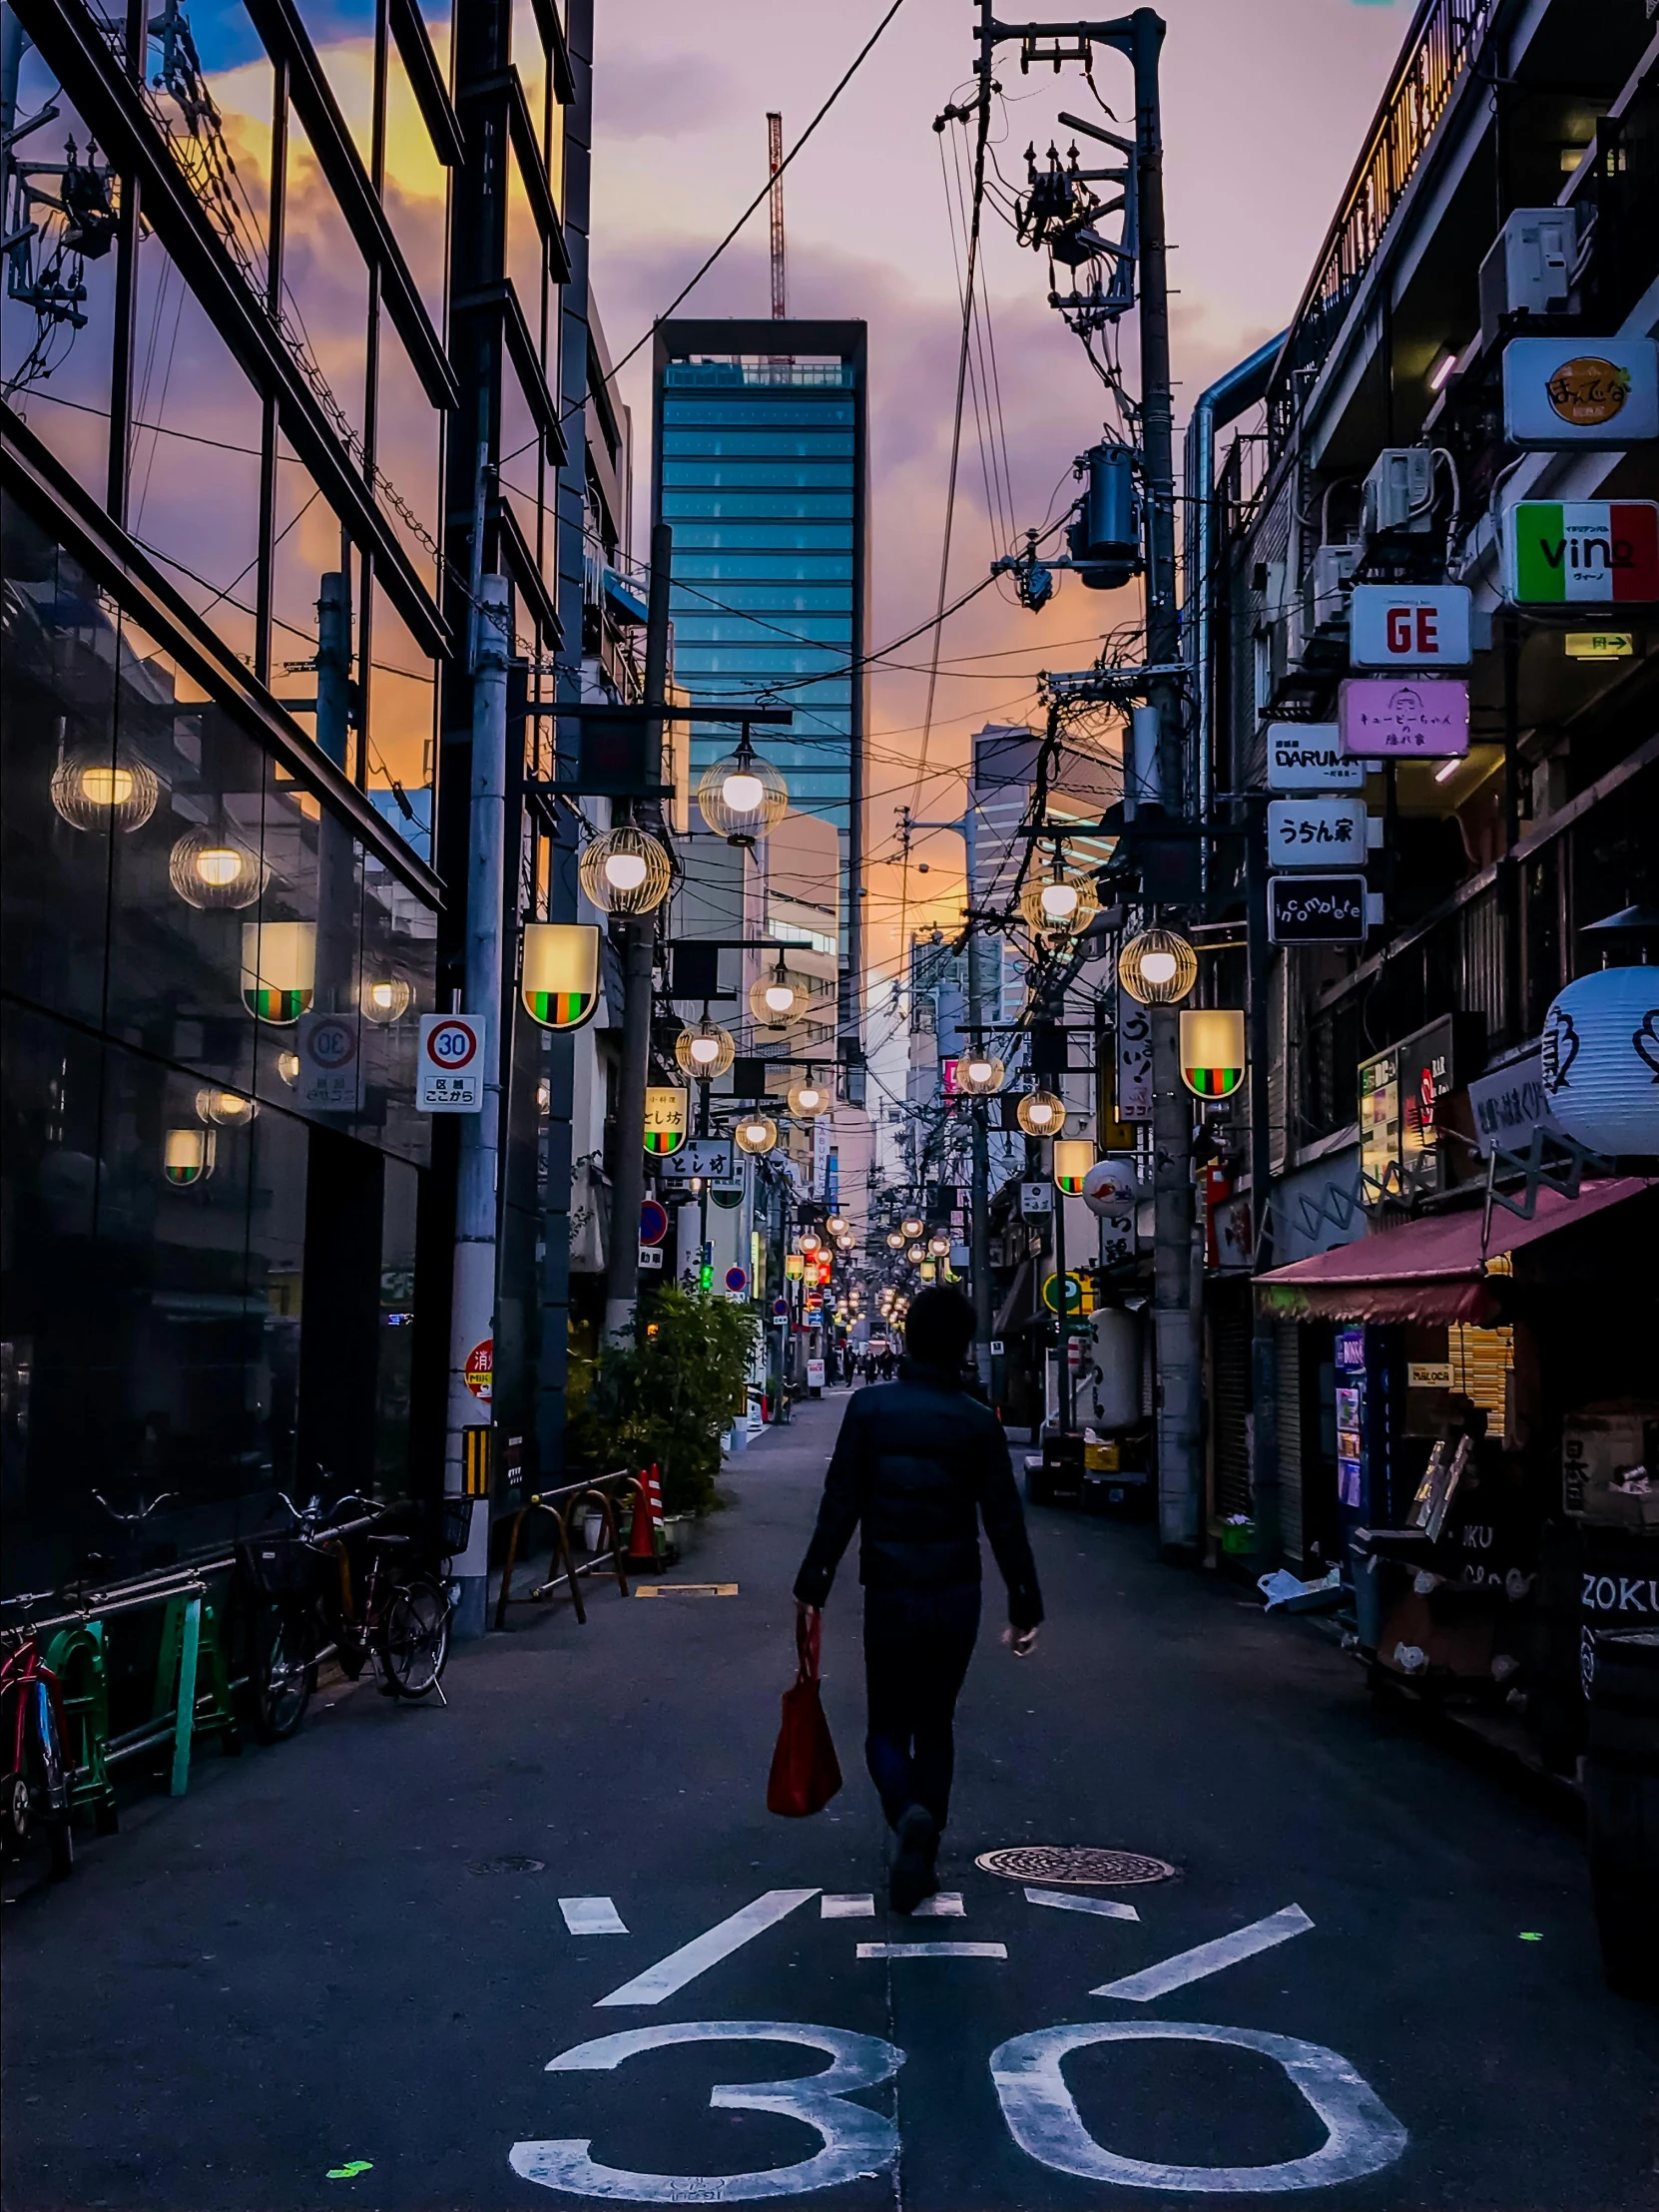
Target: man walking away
(918,1464)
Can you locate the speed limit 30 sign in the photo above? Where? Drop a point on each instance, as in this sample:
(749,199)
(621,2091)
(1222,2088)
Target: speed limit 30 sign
(454,1053)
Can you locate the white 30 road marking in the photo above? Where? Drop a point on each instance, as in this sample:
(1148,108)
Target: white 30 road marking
(1362,2137)
(1207,1959)
(1064,1901)
(857,2142)
(671,1974)
(592,1917)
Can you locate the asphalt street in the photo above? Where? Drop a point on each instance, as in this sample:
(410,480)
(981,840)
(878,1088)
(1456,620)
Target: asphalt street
(339,1973)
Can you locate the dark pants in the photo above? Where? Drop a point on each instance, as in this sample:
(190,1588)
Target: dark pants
(917,1644)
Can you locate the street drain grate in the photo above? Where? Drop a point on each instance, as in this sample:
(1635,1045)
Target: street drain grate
(1073,1863)
(513,1863)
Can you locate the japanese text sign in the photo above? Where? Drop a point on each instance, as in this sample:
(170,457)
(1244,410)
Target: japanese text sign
(1309,757)
(1314,832)
(1387,717)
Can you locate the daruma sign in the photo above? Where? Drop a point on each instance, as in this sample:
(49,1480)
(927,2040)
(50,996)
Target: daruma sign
(1596,552)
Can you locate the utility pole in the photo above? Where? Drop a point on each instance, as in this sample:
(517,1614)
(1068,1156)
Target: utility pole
(472,1301)
(639,933)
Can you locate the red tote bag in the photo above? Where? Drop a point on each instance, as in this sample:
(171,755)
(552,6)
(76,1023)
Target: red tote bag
(805,1773)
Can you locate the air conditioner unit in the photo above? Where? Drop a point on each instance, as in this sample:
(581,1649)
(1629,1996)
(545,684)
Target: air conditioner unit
(1528,268)
(1326,587)
(1400,491)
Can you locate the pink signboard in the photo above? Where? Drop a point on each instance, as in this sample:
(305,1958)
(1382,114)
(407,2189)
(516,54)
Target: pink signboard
(1395,717)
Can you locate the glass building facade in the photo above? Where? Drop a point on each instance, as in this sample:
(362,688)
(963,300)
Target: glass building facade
(759,465)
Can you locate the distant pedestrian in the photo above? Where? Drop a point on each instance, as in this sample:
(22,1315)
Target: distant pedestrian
(918,1466)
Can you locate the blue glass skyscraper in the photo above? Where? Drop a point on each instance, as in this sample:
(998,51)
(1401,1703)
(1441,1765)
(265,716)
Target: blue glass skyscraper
(759,463)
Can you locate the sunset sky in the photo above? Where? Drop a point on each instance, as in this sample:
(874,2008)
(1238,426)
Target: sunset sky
(680,147)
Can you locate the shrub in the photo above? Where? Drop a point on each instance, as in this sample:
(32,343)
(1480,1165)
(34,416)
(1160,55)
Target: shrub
(667,1398)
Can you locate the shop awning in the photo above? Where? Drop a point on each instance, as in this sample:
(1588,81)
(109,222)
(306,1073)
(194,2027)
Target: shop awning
(1434,1270)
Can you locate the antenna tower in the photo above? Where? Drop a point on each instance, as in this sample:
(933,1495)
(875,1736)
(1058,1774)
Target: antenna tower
(775,169)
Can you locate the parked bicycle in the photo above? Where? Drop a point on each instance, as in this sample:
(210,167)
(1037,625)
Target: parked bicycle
(315,1606)
(36,1789)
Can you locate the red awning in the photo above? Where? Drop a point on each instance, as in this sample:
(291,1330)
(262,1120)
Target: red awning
(1434,1270)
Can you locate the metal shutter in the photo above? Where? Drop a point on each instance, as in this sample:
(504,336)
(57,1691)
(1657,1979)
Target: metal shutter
(1288,1368)
(1229,1405)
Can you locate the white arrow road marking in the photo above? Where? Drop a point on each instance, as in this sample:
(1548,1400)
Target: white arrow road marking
(672,1973)
(933,1951)
(1108,1907)
(944,1905)
(1208,1959)
(858,1907)
(592,1917)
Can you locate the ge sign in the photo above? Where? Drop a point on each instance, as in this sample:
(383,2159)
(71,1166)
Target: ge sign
(1408,626)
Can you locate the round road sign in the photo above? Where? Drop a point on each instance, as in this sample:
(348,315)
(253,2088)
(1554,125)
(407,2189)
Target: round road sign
(653,1222)
(736,1279)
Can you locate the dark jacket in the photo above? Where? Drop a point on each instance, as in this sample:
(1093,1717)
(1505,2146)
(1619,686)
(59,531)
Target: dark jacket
(918,1463)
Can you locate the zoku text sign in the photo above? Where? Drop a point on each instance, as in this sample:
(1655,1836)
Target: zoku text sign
(1315,833)
(1595,552)
(1309,757)
(1317,910)
(1408,626)
(450,1070)
(1392,718)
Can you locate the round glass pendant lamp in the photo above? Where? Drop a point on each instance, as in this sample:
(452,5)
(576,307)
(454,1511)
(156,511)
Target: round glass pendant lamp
(1060,904)
(837,1224)
(224,1109)
(559,981)
(216,869)
(895,1243)
(386,1000)
(807,1100)
(912,1225)
(1043,1114)
(979,1074)
(1159,967)
(939,1247)
(776,1001)
(915,1254)
(741,796)
(756,1133)
(626,872)
(288,1067)
(93,791)
(704,1049)
(808,1243)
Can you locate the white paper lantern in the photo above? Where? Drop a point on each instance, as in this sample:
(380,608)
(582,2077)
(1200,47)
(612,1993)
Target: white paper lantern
(1110,1187)
(1601,1060)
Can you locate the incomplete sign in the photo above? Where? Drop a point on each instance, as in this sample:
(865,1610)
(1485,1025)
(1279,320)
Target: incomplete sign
(1317,910)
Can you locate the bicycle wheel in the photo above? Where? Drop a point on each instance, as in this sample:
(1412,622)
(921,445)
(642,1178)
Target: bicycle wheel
(285,1670)
(414,1638)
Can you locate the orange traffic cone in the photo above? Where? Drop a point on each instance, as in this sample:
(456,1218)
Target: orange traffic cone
(654,1491)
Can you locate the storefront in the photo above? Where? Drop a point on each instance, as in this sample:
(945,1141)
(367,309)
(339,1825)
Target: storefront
(1495,1430)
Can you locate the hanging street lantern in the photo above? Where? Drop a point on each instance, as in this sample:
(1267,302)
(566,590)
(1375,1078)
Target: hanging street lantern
(755,1133)
(1043,1114)
(216,869)
(1211,1050)
(705,1049)
(775,1001)
(187,1156)
(807,1100)
(1073,1158)
(915,1254)
(938,1248)
(1158,967)
(1600,1055)
(93,791)
(626,872)
(837,1224)
(741,797)
(979,1074)
(288,1067)
(1110,1187)
(912,1225)
(895,1243)
(809,1243)
(667,1118)
(1061,904)
(559,980)
(278,968)
(927,1269)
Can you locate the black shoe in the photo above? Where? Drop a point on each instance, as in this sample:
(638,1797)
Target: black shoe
(911,1879)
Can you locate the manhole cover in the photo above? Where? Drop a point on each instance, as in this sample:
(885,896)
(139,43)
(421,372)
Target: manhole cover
(1072,1863)
(513,1863)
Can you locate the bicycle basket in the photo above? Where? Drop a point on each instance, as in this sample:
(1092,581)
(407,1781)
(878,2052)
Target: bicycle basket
(454,1525)
(282,1568)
